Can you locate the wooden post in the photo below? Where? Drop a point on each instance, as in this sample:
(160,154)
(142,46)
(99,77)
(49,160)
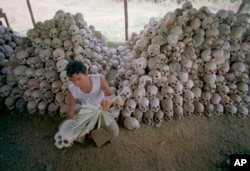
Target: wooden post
(241,7)
(126,19)
(3,15)
(31,13)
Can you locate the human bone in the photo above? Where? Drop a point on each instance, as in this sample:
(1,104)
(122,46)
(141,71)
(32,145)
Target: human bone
(131,123)
(158,118)
(33,84)
(39,74)
(61,65)
(10,102)
(58,54)
(59,98)
(52,109)
(231,110)
(148,117)
(37,95)
(144,104)
(64,137)
(23,83)
(198,108)
(138,114)
(32,107)
(42,107)
(242,111)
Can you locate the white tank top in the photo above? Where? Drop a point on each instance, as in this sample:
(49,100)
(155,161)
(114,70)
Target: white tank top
(96,94)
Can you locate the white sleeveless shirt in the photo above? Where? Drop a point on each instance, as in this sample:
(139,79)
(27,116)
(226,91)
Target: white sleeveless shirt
(96,94)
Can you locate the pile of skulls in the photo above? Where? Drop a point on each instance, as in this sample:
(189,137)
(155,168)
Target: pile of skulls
(36,72)
(8,44)
(190,62)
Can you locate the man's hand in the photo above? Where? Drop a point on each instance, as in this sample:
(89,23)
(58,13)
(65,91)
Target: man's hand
(106,102)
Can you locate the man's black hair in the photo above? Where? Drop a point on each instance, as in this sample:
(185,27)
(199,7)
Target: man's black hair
(75,67)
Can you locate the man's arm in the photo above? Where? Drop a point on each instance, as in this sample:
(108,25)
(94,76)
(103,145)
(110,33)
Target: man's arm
(70,105)
(109,94)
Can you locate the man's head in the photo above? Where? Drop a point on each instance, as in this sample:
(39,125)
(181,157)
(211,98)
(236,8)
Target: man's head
(77,72)
(75,67)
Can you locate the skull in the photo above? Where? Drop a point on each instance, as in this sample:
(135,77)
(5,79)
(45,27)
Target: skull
(53,109)
(119,103)
(198,108)
(188,97)
(167,91)
(242,88)
(10,103)
(197,93)
(76,39)
(37,42)
(130,105)
(188,109)
(144,104)
(63,76)
(61,65)
(73,29)
(19,71)
(49,96)
(32,107)
(222,90)
(33,84)
(53,33)
(177,101)
(237,100)
(145,80)
(44,86)
(167,107)
(27,95)
(151,91)
(50,65)
(22,56)
(58,54)
(23,83)
(57,43)
(158,118)
(138,114)
(37,95)
(59,98)
(139,93)
(218,109)
(56,86)
(46,43)
(226,101)
(148,117)
(209,109)
(39,74)
(51,76)
(45,54)
(242,111)
(231,110)
(29,72)
(154,104)
(42,107)
(188,85)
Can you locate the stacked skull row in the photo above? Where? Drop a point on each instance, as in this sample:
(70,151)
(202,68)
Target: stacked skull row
(8,44)
(36,72)
(192,61)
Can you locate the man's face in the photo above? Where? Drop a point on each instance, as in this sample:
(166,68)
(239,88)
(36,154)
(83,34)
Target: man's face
(78,78)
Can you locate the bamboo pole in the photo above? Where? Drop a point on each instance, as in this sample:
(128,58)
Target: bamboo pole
(31,13)
(126,19)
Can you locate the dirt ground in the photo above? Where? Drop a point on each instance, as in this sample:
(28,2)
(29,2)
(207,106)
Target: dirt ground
(190,144)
